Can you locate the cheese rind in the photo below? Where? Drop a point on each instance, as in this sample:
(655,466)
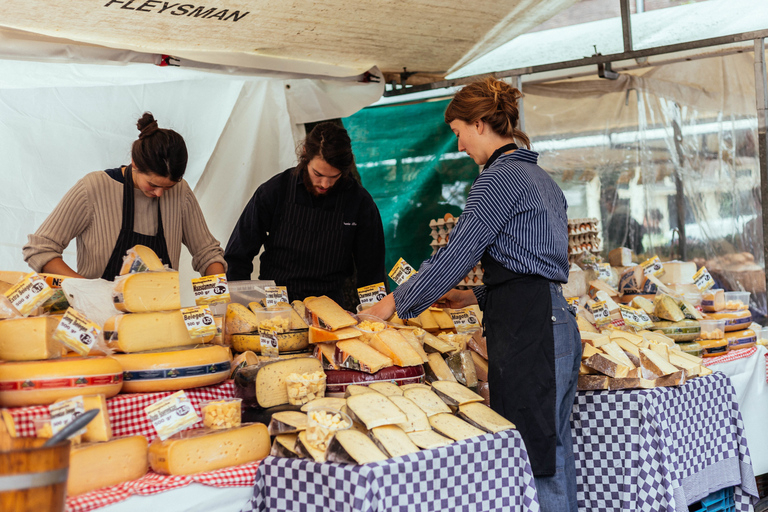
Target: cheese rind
(284,445)
(318,335)
(147,291)
(96,465)
(287,422)
(138,332)
(29,339)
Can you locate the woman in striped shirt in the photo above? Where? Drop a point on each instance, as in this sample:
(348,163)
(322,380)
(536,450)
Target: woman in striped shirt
(515,223)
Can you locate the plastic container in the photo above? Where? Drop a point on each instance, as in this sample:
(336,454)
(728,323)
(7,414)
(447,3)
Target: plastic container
(718,501)
(736,300)
(221,414)
(305,387)
(762,336)
(274,319)
(712,329)
(322,425)
(369,323)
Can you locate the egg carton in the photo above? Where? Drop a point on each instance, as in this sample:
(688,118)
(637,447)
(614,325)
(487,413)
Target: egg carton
(574,251)
(579,240)
(581,226)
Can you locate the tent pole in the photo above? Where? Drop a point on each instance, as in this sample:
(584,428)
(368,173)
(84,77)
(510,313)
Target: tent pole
(517,83)
(626,26)
(761,90)
(680,199)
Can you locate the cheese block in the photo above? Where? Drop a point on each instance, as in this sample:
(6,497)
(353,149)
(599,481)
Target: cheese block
(635,339)
(658,337)
(481,366)
(306,450)
(29,339)
(186,367)
(199,450)
(437,369)
(678,272)
(661,349)
(318,335)
(242,360)
(631,351)
(673,379)
(325,403)
(326,354)
(392,441)
(443,319)
(238,320)
(666,308)
(290,341)
(584,325)
(264,386)
(100,427)
(463,368)
(374,410)
(689,310)
(656,364)
(338,380)
(147,291)
(453,393)
(598,285)
(483,417)
(426,321)
(43,382)
(685,330)
(691,369)
(615,351)
(284,445)
(12,276)
(414,342)
(287,422)
(386,388)
(741,339)
(96,465)
(586,370)
(353,447)
(392,344)
(323,312)
(140,258)
(620,257)
(416,418)
(434,344)
(395,320)
(644,304)
(428,439)
(605,363)
(298,307)
(453,427)
(734,320)
(356,389)
(592,382)
(427,401)
(713,300)
(630,383)
(587,350)
(138,332)
(356,355)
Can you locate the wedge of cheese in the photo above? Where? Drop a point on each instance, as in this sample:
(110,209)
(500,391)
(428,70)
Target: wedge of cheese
(392,344)
(265,386)
(414,342)
(416,418)
(323,312)
(147,291)
(140,258)
(284,445)
(96,465)
(427,400)
(592,382)
(481,366)
(306,450)
(453,393)
(326,354)
(374,410)
(434,344)
(484,418)
(713,300)
(325,403)
(29,339)
(287,422)
(238,319)
(443,319)
(392,441)
(630,383)
(199,450)
(655,363)
(666,308)
(353,447)
(318,335)
(386,388)
(137,332)
(428,439)
(100,427)
(584,325)
(357,389)
(437,369)
(631,350)
(426,321)
(453,427)
(356,355)
(462,366)
(607,364)
(587,351)
(617,353)
(287,342)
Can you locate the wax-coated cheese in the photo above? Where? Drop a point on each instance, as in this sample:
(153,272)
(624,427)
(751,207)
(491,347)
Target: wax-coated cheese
(392,440)
(453,393)
(171,370)
(741,339)
(451,426)
(734,320)
(416,418)
(44,382)
(356,355)
(392,344)
(428,439)
(685,330)
(290,341)
(138,332)
(484,418)
(196,451)
(140,258)
(323,312)
(29,339)
(353,447)
(96,465)
(338,380)
(147,291)
(374,410)
(265,386)
(100,427)
(427,400)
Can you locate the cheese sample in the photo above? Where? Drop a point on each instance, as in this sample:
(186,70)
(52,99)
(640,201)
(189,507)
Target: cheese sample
(428,439)
(43,382)
(284,445)
(427,400)
(453,393)
(453,427)
(287,422)
(170,370)
(390,343)
(138,332)
(199,450)
(318,335)
(734,320)
(147,291)
(356,355)
(265,386)
(96,465)
(140,258)
(29,339)
(353,447)
(374,410)
(393,441)
(386,388)
(323,312)
(416,418)
(713,300)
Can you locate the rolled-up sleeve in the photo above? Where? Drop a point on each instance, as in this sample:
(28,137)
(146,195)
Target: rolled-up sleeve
(203,246)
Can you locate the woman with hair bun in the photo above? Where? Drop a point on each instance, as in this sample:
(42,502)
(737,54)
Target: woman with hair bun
(146,202)
(515,222)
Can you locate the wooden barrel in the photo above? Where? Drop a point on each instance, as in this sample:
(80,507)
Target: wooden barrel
(33,478)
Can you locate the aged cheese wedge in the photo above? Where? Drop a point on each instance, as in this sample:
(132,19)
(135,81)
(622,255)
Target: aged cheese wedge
(453,393)
(661,349)
(428,439)
(587,350)
(356,355)
(392,441)
(443,319)
(656,364)
(265,386)
(644,304)
(417,419)
(147,291)
(284,445)
(326,354)
(434,344)
(390,343)
(607,364)
(484,418)
(100,428)
(617,353)
(630,383)
(631,350)
(596,340)
(673,379)
(96,465)
(426,321)
(318,335)
(414,342)
(463,368)
(29,339)
(658,337)
(585,326)
(298,306)
(665,307)
(632,338)
(592,382)
(357,389)
(691,369)
(386,388)
(242,360)
(137,332)
(437,369)
(238,319)
(689,310)
(481,366)
(427,400)
(325,403)
(375,410)
(451,426)
(140,258)
(586,370)
(353,447)
(306,450)
(287,422)
(323,312)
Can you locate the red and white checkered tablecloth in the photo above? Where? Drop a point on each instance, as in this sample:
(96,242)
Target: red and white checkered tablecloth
(731,355)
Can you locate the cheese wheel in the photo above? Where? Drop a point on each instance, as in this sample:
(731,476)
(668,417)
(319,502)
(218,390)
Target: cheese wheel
(44,382)
(291,341)
(138,332)
(337,380)
(170,370)
(741,339)
(29,339)
(734,320)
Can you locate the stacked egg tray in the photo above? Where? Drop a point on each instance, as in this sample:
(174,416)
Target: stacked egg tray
(582,236)
(441,234)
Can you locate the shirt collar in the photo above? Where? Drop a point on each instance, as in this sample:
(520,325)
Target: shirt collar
(522,154)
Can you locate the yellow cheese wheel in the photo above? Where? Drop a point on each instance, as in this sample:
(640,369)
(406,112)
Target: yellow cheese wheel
(741,339)
(170,370)
(138,332)
(44,382)
(291,341)
(734,320)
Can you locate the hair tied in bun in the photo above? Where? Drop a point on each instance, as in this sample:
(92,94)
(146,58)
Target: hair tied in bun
(148,130)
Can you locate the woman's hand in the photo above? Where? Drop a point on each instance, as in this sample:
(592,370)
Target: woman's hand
(457,299)
(384,309)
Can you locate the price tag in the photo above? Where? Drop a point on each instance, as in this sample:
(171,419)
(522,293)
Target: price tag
(211,289)
(276,295)
(601,313)
(76,332)
(603,271)
(401,272)
(636,318)
(29,293)
(370,295)
(268,341)
(64,412)
(172,414)
(573,301)
(465,320)
(703,279)
(199,321)
(653,266)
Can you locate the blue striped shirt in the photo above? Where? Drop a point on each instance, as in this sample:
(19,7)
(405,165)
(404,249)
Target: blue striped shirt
(517,212)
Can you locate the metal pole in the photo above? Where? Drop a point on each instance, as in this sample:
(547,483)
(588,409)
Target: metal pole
(761,90)
(517,83)
(626,25)
(680,199)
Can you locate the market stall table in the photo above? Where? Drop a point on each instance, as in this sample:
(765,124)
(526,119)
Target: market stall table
(661,449)
(486,473)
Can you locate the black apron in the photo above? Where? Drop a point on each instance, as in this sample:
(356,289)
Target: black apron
(129,238)
(306,250)
(517,319)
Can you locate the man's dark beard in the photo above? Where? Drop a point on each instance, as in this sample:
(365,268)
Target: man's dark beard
(310,187)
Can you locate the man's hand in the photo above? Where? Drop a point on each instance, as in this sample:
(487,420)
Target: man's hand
(457,299)
(384,309)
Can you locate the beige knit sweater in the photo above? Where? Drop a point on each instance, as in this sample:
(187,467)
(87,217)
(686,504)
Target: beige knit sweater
(91,212)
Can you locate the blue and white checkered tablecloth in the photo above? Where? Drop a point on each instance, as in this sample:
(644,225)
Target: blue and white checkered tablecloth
(661,449)
(486,473)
